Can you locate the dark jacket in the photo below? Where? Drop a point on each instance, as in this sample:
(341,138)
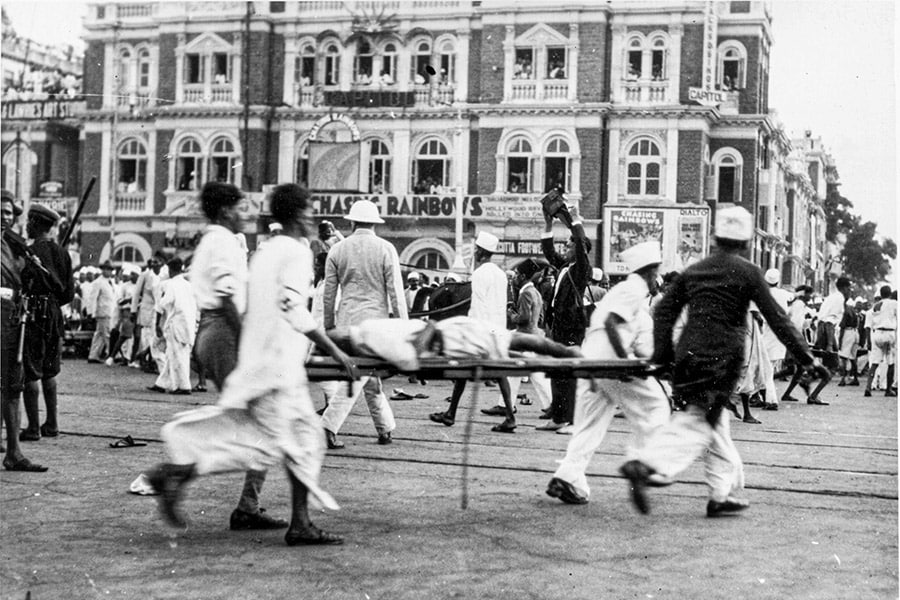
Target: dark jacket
(566,321)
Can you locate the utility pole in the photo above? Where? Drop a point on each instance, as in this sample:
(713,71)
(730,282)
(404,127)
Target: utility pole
(114,134)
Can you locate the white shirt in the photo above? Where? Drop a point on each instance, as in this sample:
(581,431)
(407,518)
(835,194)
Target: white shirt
(629,301)
(884,315)
(832,309)
(273,344)
(489,296)
(103,298)
(797,312)
(143,299)
(219,270)
(179,309)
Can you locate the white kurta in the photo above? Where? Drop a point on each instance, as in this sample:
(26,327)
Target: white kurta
(489,296)
(642,399)
(179,312)
(774,348)
(264,414)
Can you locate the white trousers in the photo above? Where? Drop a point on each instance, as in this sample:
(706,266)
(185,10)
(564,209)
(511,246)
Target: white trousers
(541,389)
(645,405)
(156,345)
(672,448)
(176,371)
(279,427)
(340,406)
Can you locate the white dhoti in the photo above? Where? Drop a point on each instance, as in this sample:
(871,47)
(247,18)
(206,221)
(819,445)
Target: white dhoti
(176,371)
(645,405)
(340,405)
(278,426)
(671,449)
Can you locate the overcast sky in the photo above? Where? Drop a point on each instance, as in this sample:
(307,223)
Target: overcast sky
(833,71)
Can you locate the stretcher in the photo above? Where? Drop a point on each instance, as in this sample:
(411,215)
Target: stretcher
(325,368)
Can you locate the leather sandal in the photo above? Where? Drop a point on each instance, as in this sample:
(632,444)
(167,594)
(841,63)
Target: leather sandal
(23,464)
(442,417)
(312,536)
(47,432)
(29,436)
(506,426)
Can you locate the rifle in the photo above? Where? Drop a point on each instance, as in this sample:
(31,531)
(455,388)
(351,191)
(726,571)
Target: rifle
(23,320)
(77,215)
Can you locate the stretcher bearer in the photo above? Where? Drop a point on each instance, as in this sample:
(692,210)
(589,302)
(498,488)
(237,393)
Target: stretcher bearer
(621,327)
(264,415)
(707,363)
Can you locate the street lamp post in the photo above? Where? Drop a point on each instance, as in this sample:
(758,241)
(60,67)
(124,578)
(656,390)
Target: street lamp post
(458,263)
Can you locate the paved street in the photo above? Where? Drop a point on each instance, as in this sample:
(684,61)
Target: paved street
(822,482)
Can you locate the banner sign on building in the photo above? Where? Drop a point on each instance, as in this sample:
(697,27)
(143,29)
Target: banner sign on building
(682,231)
(50,189)
(370,98)
(334,166)
(707,97)
(524,208)
(710,40)
(42,110)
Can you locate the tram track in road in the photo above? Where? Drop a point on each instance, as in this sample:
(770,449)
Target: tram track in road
(348,455)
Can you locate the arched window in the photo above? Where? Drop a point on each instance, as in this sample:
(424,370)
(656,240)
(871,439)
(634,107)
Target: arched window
(301,174)
(557,172)
(431,260)
(519,166)
(421,59)
(127,253)
(658,59)
(19,163)
(362,67)
(431,167)
(188,165)
(144,68)
(223,161)
(727,164)
(732,71)
(132,163)
(634,58)
(305,66)
(643,167)
(388,74)
(123,70)
(447,71)
(332,64)
(379,167)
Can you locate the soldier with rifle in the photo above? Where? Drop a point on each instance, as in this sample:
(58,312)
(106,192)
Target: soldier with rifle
(14,314)
(48,293)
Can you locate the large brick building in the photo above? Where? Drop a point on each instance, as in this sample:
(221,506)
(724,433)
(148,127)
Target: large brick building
(648,114)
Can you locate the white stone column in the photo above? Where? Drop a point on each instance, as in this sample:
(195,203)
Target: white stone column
(237,70)
(572,63)
(616,66)
(151,173)
(286,152)
(401,159)
(462,73)
(673,68)
(106,159)
(291,94)
(615,175)
(109,76)
(509,59)
(179,70)
(154,74)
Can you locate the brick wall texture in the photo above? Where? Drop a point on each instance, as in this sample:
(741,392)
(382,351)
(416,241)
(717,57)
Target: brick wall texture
(690,166)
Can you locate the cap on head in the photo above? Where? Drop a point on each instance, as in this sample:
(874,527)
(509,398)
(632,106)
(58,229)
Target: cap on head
(642,255)
(106,266)
(273,227)
(487,241)
(452,277)
(43,213)
(8,196)
(773,276)
(364,211)
(527,268)
(597,274)
(734,223)
(413,276)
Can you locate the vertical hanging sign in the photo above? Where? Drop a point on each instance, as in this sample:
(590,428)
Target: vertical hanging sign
(710,37)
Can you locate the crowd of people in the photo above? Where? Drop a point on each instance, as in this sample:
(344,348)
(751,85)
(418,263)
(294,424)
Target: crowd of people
(718,334)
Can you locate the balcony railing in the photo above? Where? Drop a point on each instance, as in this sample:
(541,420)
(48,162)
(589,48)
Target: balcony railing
(133,203)
(133,100)
(199,93)
(529,90)
(134,11)
(427,95)
(644,92)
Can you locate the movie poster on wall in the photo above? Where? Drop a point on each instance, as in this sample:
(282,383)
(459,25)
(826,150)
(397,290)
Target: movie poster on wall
(629,227)
(692,238)
(334,166)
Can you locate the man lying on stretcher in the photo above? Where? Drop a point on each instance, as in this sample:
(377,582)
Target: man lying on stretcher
(402,343)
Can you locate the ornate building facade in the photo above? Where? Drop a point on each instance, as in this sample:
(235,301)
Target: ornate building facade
(453,116)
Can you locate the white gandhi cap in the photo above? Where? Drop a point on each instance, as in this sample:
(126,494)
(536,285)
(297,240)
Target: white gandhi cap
(734,223)
(773,276)
(487,241)
(641,255)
